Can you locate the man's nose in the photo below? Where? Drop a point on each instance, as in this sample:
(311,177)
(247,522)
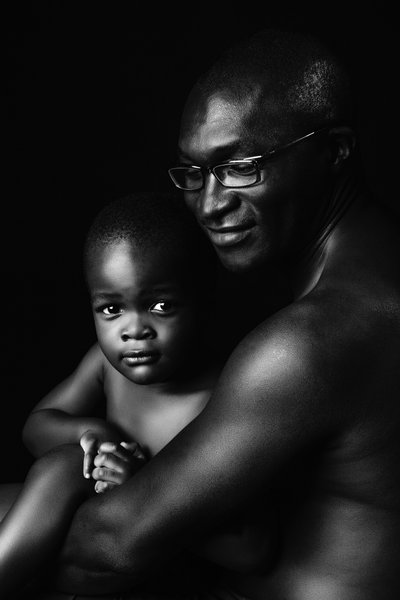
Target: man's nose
(136,327)
(215,200)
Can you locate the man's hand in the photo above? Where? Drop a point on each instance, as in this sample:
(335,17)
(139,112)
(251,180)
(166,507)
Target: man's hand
(116,463)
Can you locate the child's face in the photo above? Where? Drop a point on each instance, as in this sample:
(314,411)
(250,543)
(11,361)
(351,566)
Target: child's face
(145,321)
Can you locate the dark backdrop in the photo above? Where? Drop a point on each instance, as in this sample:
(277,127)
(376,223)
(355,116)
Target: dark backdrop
(93,98)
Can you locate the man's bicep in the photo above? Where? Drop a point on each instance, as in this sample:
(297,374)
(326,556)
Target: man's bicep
(267,407)
(214,466)
(187,489)
(271,403)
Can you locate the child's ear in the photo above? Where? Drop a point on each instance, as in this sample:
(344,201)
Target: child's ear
(342,142)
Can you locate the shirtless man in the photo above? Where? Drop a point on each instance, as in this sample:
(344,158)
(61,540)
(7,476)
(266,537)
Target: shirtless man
(308,403)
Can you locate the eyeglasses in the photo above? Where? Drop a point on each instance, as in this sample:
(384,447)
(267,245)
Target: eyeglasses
(239,173)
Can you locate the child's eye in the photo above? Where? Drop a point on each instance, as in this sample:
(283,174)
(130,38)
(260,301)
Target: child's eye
(110,310)
(163,307)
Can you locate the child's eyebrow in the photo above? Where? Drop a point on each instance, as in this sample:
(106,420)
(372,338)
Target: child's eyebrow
(105,295)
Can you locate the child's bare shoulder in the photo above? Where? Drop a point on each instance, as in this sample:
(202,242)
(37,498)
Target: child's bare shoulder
(93,363)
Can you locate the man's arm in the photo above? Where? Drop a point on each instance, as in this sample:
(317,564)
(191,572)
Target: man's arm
(277,397)
(249,543)
(63,415)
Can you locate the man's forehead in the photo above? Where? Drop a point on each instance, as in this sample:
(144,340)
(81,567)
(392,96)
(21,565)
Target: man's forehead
(217,109)
(221,120)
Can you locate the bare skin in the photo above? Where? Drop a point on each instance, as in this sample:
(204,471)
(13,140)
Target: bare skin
(307,404)
(341,536)
(140,404)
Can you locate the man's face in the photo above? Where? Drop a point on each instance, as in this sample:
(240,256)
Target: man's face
(269,220)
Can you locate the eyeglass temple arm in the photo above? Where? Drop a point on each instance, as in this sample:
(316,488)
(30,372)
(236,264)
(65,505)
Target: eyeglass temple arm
(271,153)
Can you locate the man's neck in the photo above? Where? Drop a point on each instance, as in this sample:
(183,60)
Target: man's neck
(309,264)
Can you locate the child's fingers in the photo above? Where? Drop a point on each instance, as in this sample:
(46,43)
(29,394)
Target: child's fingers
(100,487)
(111,448)
(110,461)
(124,450)
(89,445)
(108,447)
(133,448)
(107,475)
(103,486)
(88,441)
(87,464)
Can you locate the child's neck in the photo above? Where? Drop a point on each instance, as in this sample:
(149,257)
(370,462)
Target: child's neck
(186,381)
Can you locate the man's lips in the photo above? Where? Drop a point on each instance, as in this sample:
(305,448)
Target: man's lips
(140,357)
(228,235)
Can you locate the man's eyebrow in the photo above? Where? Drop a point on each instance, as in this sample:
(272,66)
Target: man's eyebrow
(223,152)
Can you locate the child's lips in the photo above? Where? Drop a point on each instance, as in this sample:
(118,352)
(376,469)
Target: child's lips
(140,357)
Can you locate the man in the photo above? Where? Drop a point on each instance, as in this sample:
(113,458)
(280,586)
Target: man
(307,405)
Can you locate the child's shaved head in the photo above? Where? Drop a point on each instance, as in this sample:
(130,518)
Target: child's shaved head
(152,221)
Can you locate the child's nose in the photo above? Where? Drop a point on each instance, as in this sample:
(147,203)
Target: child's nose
(137,329)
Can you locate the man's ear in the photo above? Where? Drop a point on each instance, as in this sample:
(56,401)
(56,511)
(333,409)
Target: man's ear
(342,141)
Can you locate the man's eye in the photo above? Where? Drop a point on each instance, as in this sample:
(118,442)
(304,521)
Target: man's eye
(111,310)
(243,168)
(162,307)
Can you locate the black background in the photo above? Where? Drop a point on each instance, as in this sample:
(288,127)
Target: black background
(93,98)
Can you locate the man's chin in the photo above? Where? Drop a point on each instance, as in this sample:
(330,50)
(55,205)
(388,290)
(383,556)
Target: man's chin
(248,256)
(237,261)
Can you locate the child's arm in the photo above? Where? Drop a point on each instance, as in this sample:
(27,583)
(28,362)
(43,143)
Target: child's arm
(33,529)
(61,417)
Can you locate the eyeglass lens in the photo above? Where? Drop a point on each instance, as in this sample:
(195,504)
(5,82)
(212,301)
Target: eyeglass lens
(230,175)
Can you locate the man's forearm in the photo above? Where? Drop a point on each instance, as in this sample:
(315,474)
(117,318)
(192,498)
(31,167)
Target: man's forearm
(181,495)
(119,539)
(91,560)
(73,579)
(96,558)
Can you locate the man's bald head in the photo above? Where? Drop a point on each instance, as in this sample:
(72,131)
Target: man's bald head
(290,79)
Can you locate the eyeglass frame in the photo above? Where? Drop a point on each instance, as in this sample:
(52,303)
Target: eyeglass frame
(255,160)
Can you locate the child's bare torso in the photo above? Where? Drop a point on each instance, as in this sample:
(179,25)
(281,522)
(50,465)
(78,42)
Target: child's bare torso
(153,415)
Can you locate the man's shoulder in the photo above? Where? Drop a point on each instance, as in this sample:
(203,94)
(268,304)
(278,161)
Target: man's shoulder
(326,338)
(285,348)
(286,374)
(306,325)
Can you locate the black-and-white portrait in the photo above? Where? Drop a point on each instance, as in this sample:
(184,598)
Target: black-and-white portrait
(201,304)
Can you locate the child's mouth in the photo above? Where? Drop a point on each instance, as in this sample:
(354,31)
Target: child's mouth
(140,357)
